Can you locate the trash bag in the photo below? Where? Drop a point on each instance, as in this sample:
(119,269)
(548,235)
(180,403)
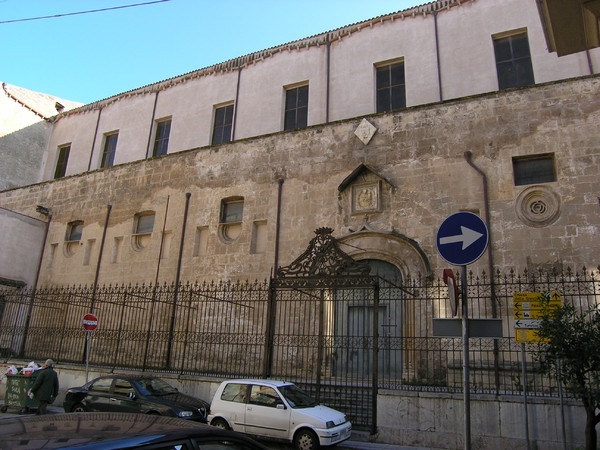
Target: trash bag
(30,368)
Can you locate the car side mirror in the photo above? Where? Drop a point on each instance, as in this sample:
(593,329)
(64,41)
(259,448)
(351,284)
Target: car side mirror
(132,396)
(280,406)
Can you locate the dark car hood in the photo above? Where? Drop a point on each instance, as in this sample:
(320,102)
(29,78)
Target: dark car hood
(179,400)
(100,431)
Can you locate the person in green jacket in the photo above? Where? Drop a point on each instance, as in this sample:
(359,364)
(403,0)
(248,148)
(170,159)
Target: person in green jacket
(45,387)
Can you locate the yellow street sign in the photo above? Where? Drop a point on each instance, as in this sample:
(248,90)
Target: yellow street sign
(527,336)
(531,306)
(536,300)
(528,312)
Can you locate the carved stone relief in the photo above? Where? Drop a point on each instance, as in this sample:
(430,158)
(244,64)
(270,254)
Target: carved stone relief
(538,206)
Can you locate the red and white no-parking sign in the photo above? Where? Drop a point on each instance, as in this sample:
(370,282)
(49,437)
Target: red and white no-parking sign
(90,322)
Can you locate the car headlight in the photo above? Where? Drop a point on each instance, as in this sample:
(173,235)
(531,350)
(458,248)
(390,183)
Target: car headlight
(330,424)
(185,414)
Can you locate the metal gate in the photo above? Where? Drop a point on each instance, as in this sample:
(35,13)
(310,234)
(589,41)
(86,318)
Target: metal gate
(323,329)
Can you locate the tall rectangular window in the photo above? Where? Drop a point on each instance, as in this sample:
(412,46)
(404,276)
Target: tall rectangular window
(296,108)
(161,141)
(223,125)
(110,148)
(534,169)
(513,61)
(391,87)
(61,163)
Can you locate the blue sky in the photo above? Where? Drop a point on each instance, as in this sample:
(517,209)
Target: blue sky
(88,57)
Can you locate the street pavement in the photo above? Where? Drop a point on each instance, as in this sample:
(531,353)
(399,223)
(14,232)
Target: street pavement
(352,444)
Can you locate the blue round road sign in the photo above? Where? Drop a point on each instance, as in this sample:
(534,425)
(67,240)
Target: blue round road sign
(462,238)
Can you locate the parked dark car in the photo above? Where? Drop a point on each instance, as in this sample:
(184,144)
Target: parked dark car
(134,394)
(106,431)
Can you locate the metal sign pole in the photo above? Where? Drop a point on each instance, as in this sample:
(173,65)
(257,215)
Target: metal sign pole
(461,239)
(465,329)
(87,355)
(562,406)
(90,323)
(524,376)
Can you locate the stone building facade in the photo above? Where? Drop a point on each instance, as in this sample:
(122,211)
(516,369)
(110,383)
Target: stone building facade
(384,199)
(203,176)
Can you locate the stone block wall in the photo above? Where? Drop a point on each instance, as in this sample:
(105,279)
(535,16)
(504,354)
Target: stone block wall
(415,162)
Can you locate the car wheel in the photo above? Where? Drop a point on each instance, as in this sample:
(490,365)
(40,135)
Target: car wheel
(220,423)
(306,440)
(78,407)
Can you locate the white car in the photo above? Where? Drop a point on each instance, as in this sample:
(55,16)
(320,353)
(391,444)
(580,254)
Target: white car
(277,410)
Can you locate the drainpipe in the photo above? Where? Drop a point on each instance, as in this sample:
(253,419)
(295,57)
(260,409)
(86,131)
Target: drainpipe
(39,267)
(94,141)
(486,200)
(160,252)
(437,55)
(183,226)
(589,60)
(278,224)
(177,278)
(35,284)
(272,305)
(148,150)
(95,286)
(328,81)
(235,103)
(162,241)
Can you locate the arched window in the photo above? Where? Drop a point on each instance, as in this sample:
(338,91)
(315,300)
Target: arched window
(74,230)
(232,210)
(230,219)
(144,222)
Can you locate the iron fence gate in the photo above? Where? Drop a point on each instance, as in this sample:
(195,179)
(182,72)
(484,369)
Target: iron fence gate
(322,338)
(324,328)
(324,322)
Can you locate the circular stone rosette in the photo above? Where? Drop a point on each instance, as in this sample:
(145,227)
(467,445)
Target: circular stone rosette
(538,206)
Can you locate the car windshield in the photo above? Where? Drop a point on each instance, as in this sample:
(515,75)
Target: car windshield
(155,386)
(296,397)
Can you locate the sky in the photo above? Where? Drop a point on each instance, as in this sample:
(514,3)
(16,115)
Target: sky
(91,56)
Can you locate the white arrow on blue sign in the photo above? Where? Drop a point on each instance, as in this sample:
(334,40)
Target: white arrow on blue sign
(462,238)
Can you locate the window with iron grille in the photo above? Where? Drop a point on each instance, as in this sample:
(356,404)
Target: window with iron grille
(534,169)
(161,141)
(296,108)
(110,148)
(223,125)
(391,87)
(513,61)
(61,163)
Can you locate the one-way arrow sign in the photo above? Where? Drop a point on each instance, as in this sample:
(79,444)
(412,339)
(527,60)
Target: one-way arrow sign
(467,237)
(462,238)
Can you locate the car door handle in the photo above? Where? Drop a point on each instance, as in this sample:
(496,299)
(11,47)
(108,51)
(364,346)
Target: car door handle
(112,399)
(249,408)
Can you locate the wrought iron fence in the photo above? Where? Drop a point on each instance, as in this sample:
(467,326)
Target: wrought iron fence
(317,334)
